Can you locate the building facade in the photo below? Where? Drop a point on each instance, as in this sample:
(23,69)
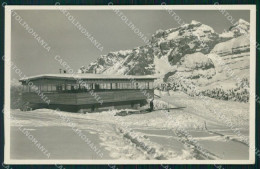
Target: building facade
(90,92)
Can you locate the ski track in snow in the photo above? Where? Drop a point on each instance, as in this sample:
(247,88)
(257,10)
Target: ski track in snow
(143,136)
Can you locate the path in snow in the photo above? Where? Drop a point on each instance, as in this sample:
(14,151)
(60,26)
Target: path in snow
(138,136)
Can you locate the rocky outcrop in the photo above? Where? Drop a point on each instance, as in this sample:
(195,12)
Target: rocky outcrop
(189,49)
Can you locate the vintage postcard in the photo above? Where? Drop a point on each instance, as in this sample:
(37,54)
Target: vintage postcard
(158,84)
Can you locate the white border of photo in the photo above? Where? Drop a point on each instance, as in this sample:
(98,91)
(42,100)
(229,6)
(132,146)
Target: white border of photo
(251,8)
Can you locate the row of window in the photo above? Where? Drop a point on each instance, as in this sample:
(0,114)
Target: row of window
(89,86)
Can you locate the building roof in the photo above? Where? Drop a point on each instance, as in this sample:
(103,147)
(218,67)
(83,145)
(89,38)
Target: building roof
(88,76)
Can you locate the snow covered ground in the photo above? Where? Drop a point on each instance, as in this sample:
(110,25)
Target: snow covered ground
(189,133)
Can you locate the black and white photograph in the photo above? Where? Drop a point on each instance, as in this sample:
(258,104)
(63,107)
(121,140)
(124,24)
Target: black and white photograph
(110,84)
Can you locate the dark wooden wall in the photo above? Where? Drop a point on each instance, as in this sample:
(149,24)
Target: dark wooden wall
(113,96)
(88,97)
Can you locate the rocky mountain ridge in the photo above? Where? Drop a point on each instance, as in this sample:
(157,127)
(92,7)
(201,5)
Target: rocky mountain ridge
(189,49)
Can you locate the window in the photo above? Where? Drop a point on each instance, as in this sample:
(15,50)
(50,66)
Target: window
(53,88)
(113,85)
(101,86)
(58,87)
(68,87)
(44,88)
(105,86)
(129,85)
(49,87)
(109,86)
(75,86)
(89,86)
(151,86)
(63,87)
(141,85)
(118,85)
(145,85)
(124,86)
(96,86)
(84,86)
(132,85)
(34,88)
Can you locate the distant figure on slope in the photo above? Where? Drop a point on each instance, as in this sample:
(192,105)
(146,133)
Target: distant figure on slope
(151,105)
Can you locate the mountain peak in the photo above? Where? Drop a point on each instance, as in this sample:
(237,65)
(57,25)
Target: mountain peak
(242,21)
(193,22)
(240,27)
(166,47)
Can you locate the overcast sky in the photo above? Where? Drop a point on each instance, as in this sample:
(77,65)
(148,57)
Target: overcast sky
(105,26)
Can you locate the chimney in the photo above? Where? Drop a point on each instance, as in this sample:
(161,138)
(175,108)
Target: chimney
(60,71)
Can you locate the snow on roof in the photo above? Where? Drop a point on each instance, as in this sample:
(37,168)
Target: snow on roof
(87,76)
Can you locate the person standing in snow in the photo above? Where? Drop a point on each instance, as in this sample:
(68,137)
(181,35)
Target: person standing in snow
(151,105)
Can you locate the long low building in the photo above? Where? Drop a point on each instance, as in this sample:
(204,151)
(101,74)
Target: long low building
(77,92)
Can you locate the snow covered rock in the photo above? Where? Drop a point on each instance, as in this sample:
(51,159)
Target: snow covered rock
(194,50)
